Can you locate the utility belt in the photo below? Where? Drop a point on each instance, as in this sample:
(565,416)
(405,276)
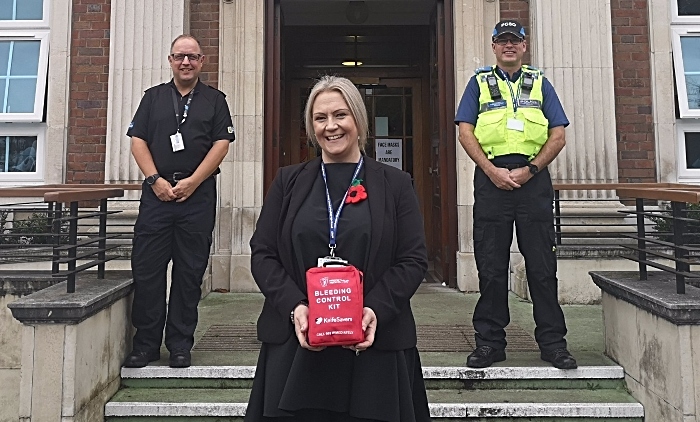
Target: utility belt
(176,177)
(179,175)
(511,161)
(511,166)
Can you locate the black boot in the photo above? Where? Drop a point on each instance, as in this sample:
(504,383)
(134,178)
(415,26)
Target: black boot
(485,356)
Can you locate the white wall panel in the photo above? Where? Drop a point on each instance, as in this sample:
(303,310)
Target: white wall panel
(140,37)
(473,23)
(662,90)
(241,77)
(572,44)
(58,91)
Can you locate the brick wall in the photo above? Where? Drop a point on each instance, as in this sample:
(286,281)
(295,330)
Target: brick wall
(204,24)
(520,11)
(633,112)
(89,71)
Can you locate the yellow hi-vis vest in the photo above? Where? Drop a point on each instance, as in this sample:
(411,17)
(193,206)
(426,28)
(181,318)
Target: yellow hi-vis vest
(496,108)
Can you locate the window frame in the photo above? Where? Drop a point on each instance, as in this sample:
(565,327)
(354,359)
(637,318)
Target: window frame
(676,18)
(681,87)
(37,114)
(29,24)
(20,129)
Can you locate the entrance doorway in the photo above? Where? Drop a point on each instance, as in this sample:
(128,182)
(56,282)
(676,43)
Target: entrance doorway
(398,62)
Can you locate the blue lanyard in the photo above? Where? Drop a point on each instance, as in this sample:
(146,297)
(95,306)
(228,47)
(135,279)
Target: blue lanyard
(510,87)
(177,109)
(333,220)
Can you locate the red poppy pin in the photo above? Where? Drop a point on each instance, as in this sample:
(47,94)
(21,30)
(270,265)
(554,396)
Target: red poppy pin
(356,193)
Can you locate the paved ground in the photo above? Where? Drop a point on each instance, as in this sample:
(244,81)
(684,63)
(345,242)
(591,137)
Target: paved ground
(228,321)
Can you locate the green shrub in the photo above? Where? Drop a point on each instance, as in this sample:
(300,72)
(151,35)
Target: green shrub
(34,230)
(665,225)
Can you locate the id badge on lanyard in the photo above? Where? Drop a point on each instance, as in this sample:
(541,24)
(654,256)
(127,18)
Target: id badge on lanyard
(176,141)
(333,218)
(514,123)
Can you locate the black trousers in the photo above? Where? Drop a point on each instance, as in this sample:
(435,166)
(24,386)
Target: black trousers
(164,231)
(495,211)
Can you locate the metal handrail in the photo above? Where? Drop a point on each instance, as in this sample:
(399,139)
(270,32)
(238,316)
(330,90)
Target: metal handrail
(55,197)
(678,195)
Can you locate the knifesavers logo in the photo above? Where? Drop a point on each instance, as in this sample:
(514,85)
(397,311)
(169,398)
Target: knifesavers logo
(321,320)
(324,281)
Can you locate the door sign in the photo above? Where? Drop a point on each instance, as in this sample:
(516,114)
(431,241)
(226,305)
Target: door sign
(390,152)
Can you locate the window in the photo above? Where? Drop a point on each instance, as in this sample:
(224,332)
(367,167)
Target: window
(685,11)
(685,26)
(24,14)
(22,152)
(23,65)
(685,39)
(24,56)
(686,57)
(688,135)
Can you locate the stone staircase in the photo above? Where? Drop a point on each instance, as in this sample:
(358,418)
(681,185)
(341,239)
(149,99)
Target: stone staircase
(220,393)
(522,388)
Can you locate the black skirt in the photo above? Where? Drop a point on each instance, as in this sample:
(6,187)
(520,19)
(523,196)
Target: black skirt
(295,384)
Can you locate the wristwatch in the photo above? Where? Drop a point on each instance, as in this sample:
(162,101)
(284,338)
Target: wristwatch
(533,169)
(152,178)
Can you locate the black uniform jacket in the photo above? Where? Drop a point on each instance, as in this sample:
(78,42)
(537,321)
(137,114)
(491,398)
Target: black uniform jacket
(397,259)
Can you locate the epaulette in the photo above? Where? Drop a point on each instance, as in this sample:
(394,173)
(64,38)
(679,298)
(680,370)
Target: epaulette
(532,69)
(484,69)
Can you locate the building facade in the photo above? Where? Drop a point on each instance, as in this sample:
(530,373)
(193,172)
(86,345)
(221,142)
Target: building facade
(72,73)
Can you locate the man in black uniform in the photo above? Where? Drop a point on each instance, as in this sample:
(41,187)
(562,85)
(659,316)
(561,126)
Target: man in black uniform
(179,136)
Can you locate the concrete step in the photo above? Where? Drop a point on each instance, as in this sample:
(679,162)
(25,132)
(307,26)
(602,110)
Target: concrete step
(436,377)
(156,404)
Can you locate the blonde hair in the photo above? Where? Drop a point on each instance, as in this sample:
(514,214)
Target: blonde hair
(352,98)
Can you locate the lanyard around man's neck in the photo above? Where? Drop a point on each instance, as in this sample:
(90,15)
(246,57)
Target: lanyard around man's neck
(177,107)
(513,96)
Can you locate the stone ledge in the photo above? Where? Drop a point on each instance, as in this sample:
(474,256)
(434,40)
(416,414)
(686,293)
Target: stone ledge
(656,295)
(53,305)
(536,410)
(593,251)
(23,283)
(429,372)
(437,410)
(163,409)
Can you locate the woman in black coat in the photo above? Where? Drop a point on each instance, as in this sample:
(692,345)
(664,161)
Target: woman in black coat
(380,378)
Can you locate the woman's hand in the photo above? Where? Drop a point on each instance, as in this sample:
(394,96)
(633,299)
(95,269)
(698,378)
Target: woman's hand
(369,327)
(301,327)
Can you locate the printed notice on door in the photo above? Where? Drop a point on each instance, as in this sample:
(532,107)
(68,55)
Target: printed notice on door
(390,152)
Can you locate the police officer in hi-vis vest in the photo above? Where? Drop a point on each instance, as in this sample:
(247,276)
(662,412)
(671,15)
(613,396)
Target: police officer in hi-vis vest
(511,124)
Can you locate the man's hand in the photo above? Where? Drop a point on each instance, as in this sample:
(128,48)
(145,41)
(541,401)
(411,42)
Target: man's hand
(520,175)
(163,190)
(499,176)
(502,178)
(185,188)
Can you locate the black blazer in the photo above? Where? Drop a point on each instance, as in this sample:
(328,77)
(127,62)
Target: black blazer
(397,256)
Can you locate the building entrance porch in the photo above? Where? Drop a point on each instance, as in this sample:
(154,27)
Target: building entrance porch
(401,63)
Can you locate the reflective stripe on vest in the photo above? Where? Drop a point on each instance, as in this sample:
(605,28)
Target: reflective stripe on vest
(495,110)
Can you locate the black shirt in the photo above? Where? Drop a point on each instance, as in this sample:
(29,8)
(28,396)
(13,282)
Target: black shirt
(310,232)
(208,120)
